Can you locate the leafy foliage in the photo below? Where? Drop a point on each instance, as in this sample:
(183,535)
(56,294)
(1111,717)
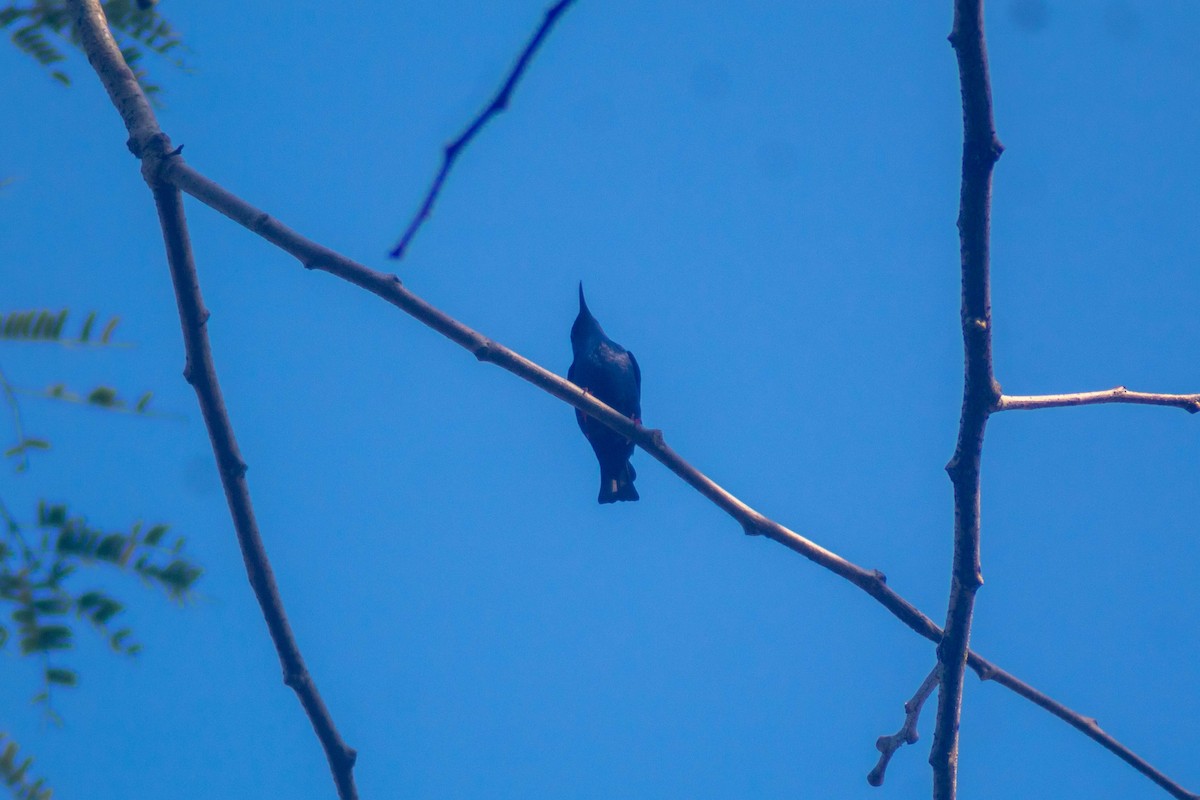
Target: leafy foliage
(43,562)
(50,327)
(40,25)
(35,580)
(15,775)
(44,325)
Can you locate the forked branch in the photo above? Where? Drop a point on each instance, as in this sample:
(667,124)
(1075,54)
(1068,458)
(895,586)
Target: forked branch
(151,145)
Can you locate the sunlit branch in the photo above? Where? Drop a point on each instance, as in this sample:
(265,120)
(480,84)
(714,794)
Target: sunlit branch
(1188,402)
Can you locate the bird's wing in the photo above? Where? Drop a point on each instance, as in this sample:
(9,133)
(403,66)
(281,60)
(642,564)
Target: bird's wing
(637,371)
(571,373)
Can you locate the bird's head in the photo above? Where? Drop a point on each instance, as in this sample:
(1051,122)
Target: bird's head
(586,327)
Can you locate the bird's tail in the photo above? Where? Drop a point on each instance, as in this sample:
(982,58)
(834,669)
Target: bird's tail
(614,488)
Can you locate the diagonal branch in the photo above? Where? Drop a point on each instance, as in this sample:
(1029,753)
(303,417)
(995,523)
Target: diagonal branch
(1011,402)
(499,103)
(150,144)
(981,148)
(390,289)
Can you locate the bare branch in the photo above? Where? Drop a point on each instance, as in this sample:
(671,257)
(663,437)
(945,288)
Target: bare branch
(499,103)
(159,165)
(390,289)
(888,745)
(981,148)
(152,146)
(1188,402)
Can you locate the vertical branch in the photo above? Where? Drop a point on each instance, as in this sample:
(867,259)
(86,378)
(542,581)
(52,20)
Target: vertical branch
(152,146)
(981,393)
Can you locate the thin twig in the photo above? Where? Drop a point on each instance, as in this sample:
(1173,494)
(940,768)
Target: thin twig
(499,103)
(1011,402)
(888,745)
(981,148)
(10,397)
(389,288)
(151,145)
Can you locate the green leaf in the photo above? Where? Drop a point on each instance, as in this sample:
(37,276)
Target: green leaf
(22,447)
(117,640)
(52,605)
(108,329)
(104,396)
(51,516)
(62,677)
(10,15)
(98,607)
(87,327)
(45,638)
(111,547)
(142,403)
(155,534)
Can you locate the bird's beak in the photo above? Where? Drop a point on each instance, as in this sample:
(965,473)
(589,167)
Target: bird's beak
(583,303)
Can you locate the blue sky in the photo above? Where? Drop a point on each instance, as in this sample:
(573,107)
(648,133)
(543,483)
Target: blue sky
(760,200)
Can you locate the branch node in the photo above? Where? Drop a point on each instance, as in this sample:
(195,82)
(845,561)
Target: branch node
(296,679)
(656,437)
(483,350)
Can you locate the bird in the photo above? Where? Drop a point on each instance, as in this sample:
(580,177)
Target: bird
(610,373)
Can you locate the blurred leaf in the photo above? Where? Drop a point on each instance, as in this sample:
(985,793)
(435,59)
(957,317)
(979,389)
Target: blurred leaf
(27,444)
(155,534)
(104,396)
(14,774)
(52,605)
(51,516)
(62,677)
(106,335)
(44,638)
(111,547)
(142,403)
(86,333)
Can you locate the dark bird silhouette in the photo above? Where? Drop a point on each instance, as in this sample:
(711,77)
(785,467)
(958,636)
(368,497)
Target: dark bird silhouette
(609,373)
